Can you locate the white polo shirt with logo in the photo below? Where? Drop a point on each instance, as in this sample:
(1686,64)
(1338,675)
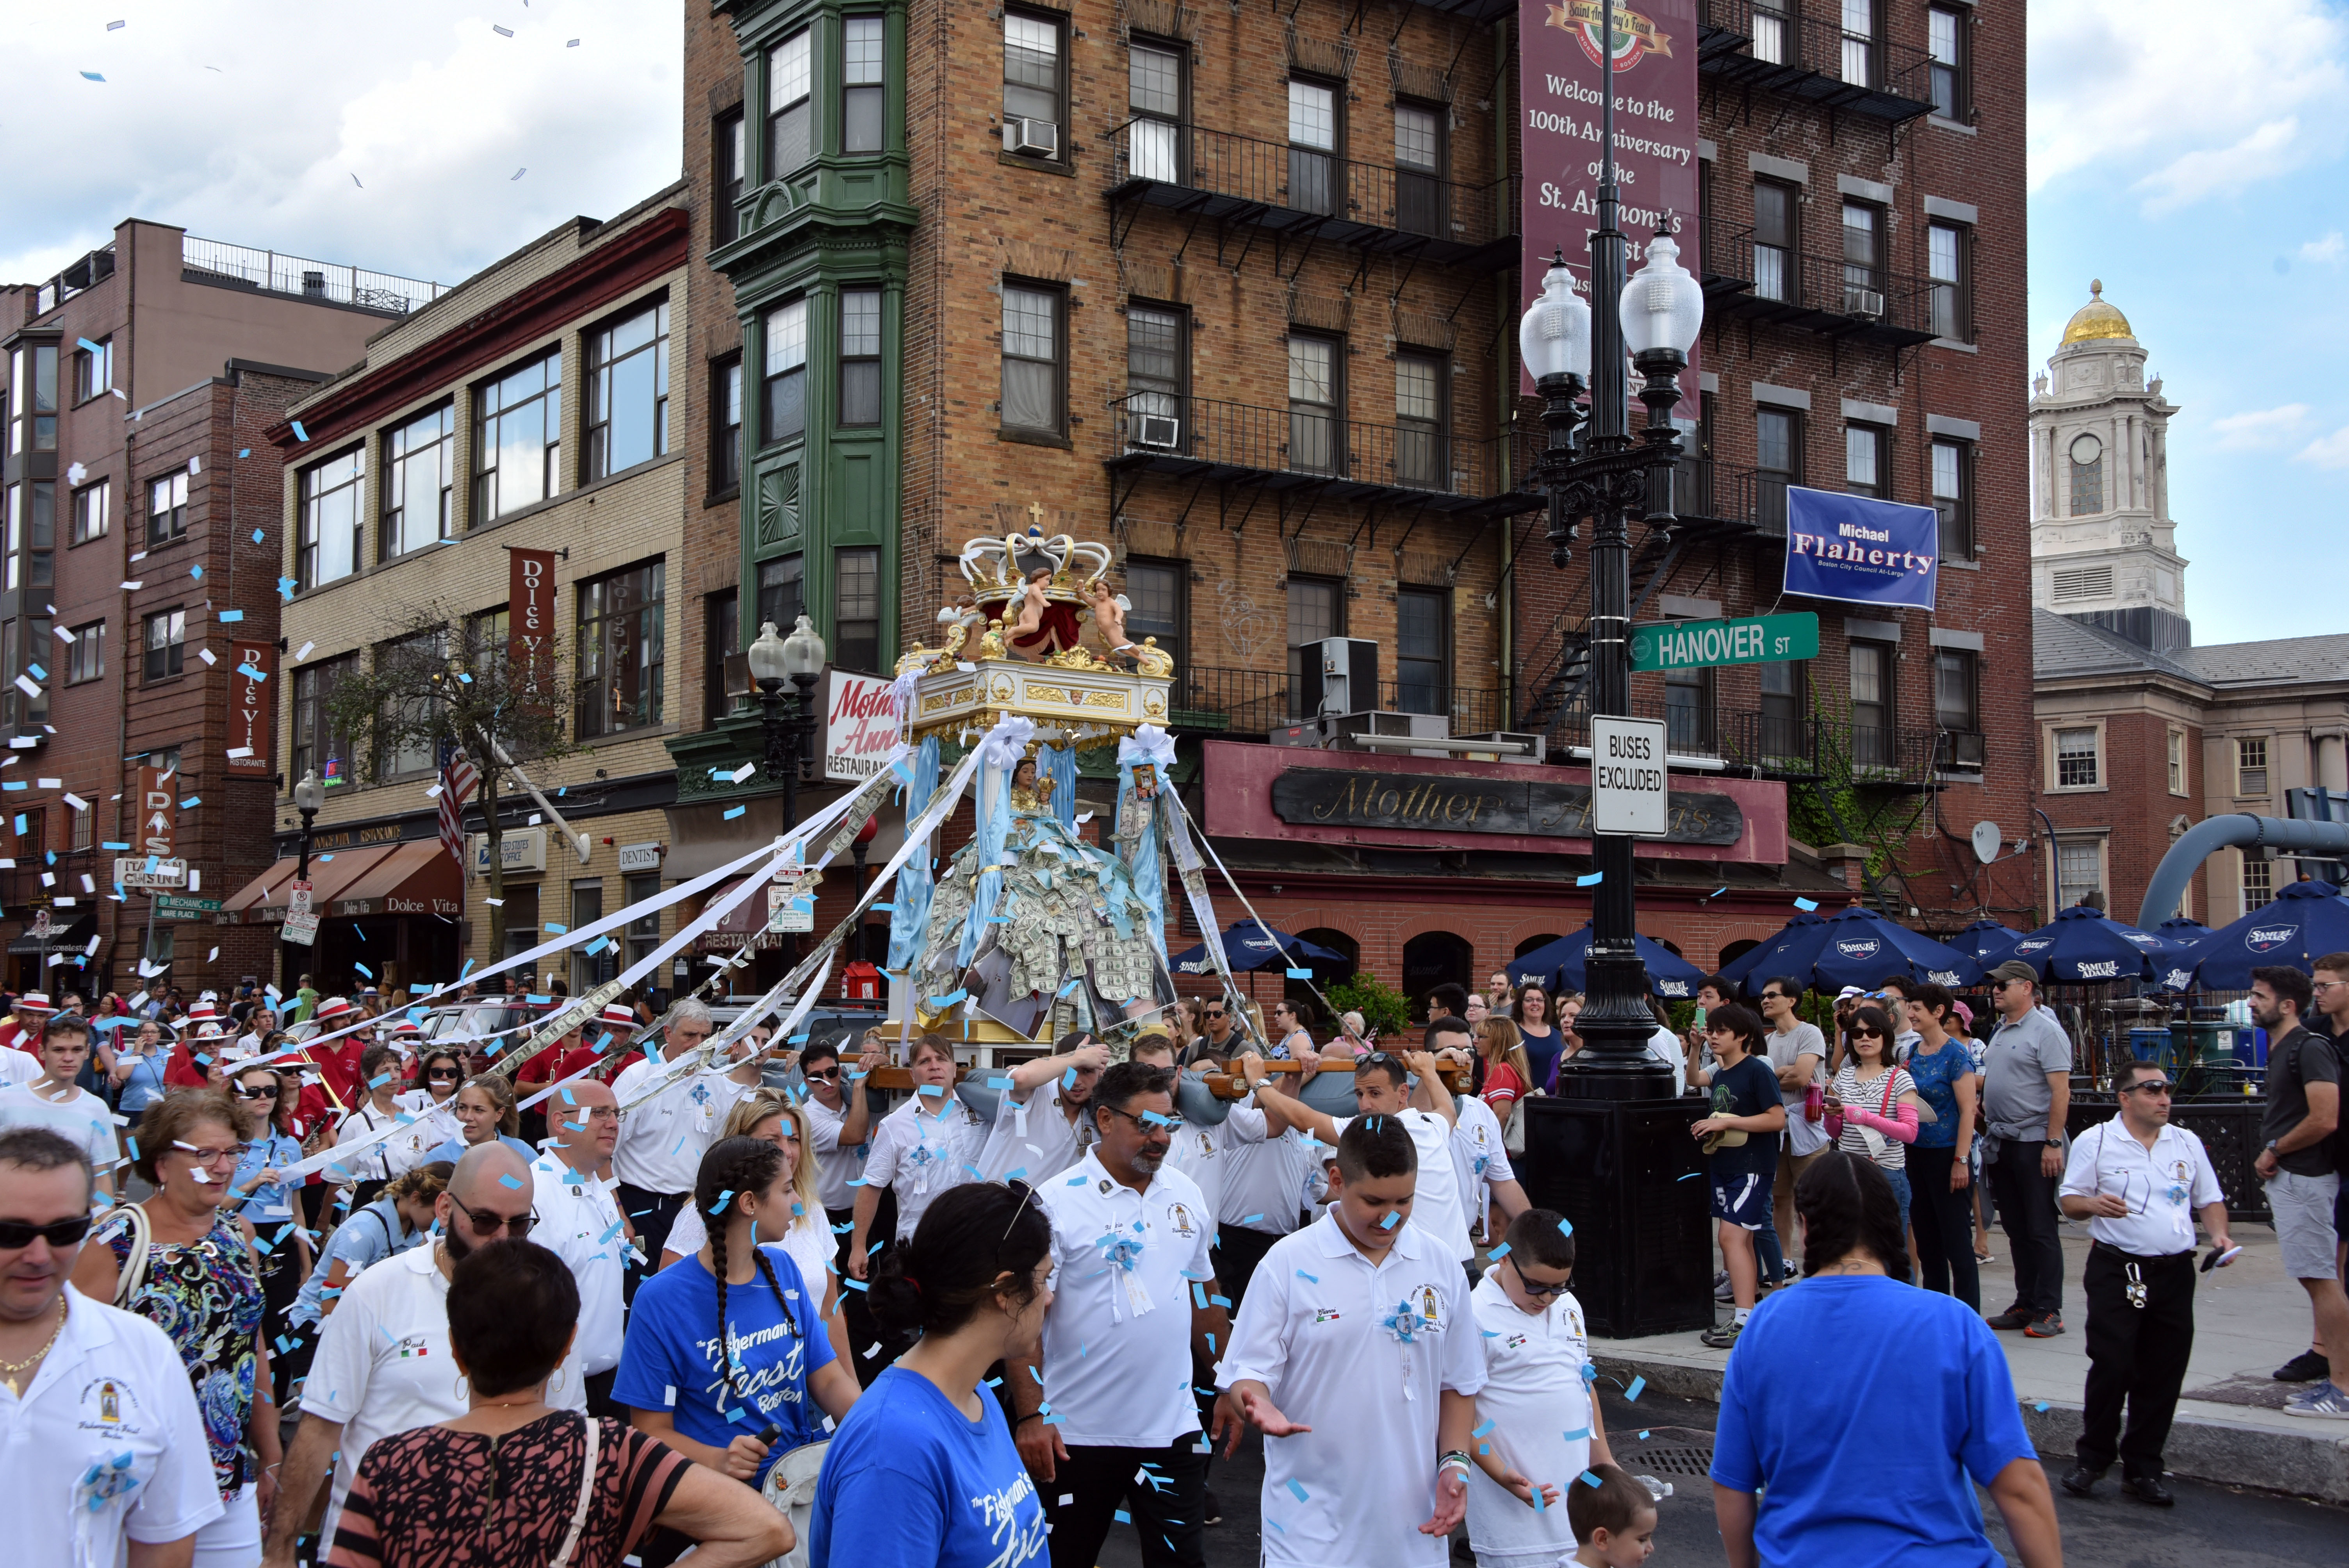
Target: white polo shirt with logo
(1360,1352)
(1117,1339)
(918,1155)
(112,1391)
(1035,1138)
(2163,1187)
(579,1221)
(1205,1154)
(663,1140)
(1480,1155)
(383,1366)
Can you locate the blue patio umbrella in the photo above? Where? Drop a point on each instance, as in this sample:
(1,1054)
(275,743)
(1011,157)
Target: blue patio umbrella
(2182,929)
(2085,945)
(1249,945)
(1562,965)
(1986,942)
(2306,921)
(1854,947)
(1752,959)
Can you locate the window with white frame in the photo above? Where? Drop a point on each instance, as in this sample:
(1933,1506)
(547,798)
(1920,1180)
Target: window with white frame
(518,439)
(784,412)
(2079,869)
(2178,762)
(420,459)
(2251,765)
(2076,761)
(2258,884)
(862,44)
(789,123)
(93,511)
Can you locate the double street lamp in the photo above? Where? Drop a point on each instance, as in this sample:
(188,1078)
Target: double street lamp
(798,659)
(1608,477)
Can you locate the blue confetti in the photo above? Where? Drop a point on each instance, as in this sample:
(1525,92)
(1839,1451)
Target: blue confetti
(1498,1253)
(299,433)
(1638,1386)
(1564,1227)
(1590,1480)
(1483,1430)
(1309,1279)
(734,812)
(510,1181)
(1297,974)
(1578,1434)
(1593,880)
(1806,903)
(1297,1490)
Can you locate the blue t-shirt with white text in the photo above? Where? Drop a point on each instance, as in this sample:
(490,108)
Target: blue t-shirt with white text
(673,1358)
(1833,1376)
(913,1482)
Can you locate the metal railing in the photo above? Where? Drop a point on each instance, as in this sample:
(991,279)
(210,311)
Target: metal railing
(1313,181)
(1256,702)
(1776,745)
(305,278)
(1313,441)
(85,273)
(1792,285)
(1782,43)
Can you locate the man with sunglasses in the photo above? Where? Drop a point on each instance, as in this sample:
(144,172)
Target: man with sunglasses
(2138,1182)
(383,1365)
(578,1218)
(1133,1294)
(2026,1095)
(107,1456)
(1221,1039)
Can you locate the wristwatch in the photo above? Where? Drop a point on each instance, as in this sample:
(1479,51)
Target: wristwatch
(2054,1143)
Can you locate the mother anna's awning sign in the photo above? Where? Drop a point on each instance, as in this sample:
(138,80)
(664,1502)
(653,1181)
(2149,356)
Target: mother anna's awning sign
(1854,548)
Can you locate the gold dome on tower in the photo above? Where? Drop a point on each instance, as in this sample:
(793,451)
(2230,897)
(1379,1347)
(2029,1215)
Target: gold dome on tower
(2096,318)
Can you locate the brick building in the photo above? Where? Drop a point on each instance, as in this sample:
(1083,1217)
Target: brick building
(2141,734)
(534,407)
(140,567)
(1235,289)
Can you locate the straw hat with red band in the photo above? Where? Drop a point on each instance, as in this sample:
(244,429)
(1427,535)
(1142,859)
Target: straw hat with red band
(34,1002)
(618,1016)
(334,1008)
(204,1012)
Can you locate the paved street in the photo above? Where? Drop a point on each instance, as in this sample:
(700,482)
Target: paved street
(2212,1527)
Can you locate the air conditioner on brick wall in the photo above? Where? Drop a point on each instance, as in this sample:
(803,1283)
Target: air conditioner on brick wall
(1162,431)
(1035,137)
(1868,303)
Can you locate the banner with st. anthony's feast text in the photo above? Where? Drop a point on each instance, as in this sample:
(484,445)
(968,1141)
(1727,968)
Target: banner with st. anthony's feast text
(1859,549)
(1654,74)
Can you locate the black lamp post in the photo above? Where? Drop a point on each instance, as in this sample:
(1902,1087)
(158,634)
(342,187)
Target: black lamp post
(309,799)
(799,659)
(1609,477)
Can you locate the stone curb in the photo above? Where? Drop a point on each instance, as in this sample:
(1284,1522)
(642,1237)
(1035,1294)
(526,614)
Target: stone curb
(2201,1447)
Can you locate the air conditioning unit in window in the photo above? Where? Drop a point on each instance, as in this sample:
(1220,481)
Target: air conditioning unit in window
(1868,303)
(1035,137)
(1162,431)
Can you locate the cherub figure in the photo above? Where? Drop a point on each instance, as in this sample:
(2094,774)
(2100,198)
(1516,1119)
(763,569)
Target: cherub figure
(1108,616)
(1042,628)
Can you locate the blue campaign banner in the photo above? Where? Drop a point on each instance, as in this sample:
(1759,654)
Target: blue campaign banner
(1863,550)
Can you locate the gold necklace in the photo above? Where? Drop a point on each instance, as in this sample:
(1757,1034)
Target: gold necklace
(11,1370)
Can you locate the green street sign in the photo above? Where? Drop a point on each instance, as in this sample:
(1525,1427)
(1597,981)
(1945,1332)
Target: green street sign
(170,906)
(1750,640)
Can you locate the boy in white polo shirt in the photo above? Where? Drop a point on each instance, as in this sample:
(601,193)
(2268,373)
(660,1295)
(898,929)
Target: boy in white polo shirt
(1384,1086)
(1113,1423)
(1536,1399)
(1358,1358)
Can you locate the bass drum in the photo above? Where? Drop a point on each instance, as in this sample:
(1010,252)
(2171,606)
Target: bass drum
(790,1488)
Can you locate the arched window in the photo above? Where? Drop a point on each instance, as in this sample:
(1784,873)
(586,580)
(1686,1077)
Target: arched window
(1737,950)
(1530,942)
(1436,958)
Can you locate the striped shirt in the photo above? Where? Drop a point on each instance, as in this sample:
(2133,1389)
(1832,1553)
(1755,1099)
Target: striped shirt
(1870,1097)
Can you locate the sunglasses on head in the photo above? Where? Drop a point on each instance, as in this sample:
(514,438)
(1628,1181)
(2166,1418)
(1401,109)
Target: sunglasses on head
(16,1234)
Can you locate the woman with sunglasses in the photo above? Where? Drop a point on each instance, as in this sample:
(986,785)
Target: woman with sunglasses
(1873,1103)
(484,1109)
(769,1115)
(726,1344)
(370,1166)
(439,1070)
(183,1261)
(139,1068)
(266,1199)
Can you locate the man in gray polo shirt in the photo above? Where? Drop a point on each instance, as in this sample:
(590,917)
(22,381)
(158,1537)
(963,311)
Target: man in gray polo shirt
(2295,1160)
(2026,1094)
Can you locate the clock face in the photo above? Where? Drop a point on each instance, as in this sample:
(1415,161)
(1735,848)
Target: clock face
(2087,449)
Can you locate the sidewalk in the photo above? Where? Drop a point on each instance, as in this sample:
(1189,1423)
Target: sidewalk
(2248,1320)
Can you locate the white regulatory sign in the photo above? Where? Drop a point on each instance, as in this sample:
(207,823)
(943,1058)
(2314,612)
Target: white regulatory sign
(1629,787)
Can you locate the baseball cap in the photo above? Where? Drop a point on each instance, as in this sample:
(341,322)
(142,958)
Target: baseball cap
(2015,969)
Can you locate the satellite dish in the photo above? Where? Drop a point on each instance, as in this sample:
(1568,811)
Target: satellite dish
(1987,839)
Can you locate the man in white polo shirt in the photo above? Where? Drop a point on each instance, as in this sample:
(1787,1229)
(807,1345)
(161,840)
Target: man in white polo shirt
(1113,1423)
(2140,1182)
(102,1444)
(1037,1125)
(663,1140)
(383,1366)
(1357,1349)
(1384,1086)
(579,1220)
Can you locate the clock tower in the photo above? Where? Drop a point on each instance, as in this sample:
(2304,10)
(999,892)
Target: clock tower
(2102,542)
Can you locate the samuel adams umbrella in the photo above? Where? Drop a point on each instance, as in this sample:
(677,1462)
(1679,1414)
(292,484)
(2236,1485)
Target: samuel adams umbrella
(1854,947)
(1769,951)
(2307,920)
(1986,942)
(1561,965)
(1252,946)
(2084,946)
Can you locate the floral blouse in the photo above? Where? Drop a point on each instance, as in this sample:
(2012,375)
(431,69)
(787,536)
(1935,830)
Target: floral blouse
(206,1295)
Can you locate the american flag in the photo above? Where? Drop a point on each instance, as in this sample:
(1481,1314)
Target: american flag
(458,778)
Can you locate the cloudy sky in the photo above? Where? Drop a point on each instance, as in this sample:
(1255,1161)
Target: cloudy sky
(2197,169)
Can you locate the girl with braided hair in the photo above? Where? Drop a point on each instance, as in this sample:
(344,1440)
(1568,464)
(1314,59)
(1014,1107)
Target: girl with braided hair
(730,1341)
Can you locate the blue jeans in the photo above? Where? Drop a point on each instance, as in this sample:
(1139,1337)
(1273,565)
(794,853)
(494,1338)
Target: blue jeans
(1900,1180)
(1769,1253)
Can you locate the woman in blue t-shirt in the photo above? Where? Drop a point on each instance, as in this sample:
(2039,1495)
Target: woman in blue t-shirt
(923,1473)
(1934,1389)
(729,1342)
(1544,1041)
